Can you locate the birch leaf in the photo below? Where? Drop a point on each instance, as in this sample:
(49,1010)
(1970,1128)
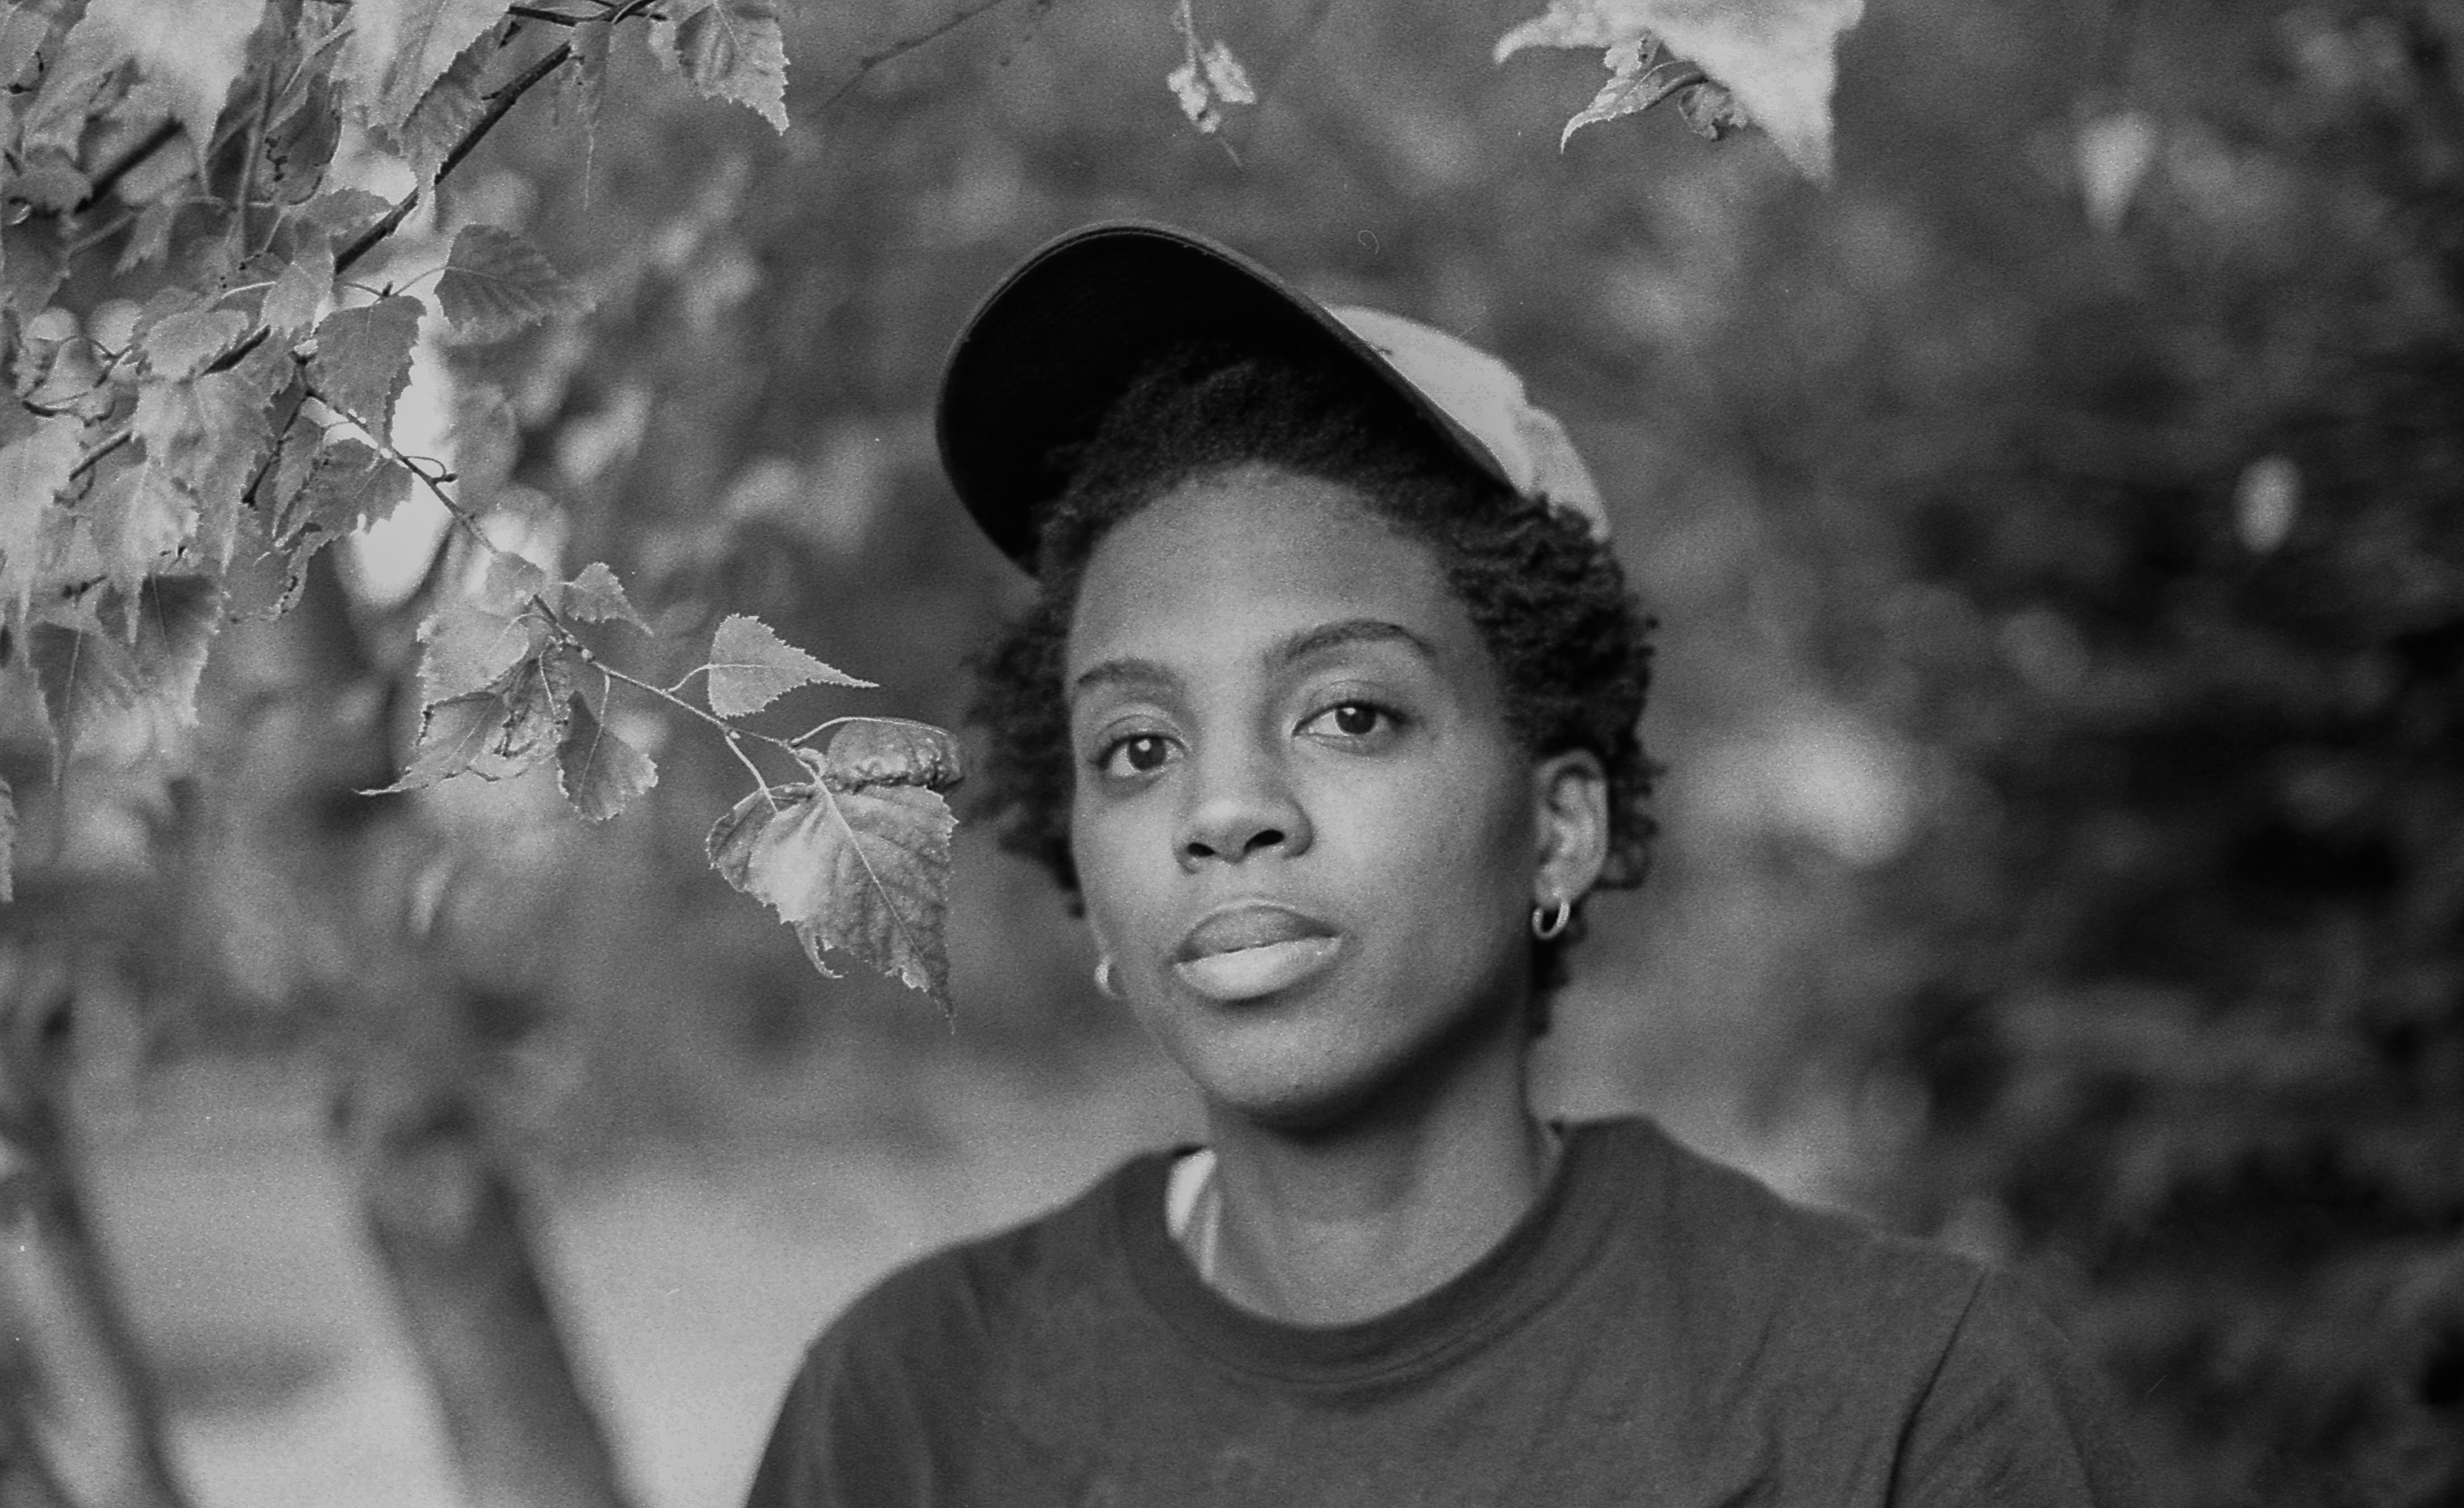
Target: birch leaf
(183,344)
(291,306)
(466,648)
(861,871)
(34,470)
(597,597)
(342,214)
(138,521)
(113,686)
(496,732)
(751,667)
(1774,58)
(599,772)
(443,116)
(188,50)
(583,84)
(495,283)
(734,50)
(892,751)
(345,488)
(363,360)
(400,48)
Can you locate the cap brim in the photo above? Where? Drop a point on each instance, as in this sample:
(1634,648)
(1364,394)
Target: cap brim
(1063,336)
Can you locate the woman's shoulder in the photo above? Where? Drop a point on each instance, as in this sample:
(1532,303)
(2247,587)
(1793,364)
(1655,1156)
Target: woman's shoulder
(967,1297)
(1737,1247)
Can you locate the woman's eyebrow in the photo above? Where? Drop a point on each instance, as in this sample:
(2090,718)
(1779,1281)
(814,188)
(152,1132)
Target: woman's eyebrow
(1131,670)
(1351,630)
(1123,672)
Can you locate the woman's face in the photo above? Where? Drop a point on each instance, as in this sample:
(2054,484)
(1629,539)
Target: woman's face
(1304,830)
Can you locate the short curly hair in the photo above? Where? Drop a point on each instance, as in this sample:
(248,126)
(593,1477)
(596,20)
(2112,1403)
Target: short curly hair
(1545,595)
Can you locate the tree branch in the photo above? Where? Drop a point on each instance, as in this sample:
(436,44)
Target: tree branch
(905,45)
(504,101)
(120,167)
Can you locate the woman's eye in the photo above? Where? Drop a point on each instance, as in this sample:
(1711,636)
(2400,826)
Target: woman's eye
(1353,720)
(1142,754)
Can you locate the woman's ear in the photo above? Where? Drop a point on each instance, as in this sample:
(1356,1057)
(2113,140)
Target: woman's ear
(1571,798)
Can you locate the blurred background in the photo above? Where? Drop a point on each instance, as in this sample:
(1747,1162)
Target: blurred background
(2057,531)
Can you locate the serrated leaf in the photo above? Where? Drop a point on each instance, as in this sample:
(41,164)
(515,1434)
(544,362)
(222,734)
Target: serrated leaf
(363,360)
(188,50)
(346,487)
(444,115)
(264,580)
(861,871)
(139,518)
(7,843)
(1711,111)
(400,48)
(751,667)
(597,597)
(149,240)
(1633,87)
(1579,27)
(207,432)
(495,283)
(494,733)
(892,751)
(467,648)
(1774,60)
(291,304)
(342,214)
(582,85)
(183,344)
(113,686)
(1209,76)
(510,582)
(1225,76)
(302,138)
(33,471)
(599,772)
(734,50)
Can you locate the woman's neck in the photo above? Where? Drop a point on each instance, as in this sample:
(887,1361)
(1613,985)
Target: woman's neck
(1336,1225)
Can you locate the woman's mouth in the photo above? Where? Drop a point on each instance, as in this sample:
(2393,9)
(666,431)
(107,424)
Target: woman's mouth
(1251,949)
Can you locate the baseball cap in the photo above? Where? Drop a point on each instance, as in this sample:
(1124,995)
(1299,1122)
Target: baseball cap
(1065,334)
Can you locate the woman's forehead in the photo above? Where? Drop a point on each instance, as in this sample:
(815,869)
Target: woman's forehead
(1260,563)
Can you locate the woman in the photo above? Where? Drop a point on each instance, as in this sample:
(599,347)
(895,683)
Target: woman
(1326,715)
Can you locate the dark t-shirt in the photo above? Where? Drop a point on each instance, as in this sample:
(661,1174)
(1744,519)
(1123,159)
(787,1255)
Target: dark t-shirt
(1657,1330)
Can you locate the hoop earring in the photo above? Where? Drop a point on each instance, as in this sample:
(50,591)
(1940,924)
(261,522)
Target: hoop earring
(1105,983)
(1547,922)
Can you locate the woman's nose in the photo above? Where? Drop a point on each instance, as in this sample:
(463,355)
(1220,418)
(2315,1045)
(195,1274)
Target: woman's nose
(1242,806)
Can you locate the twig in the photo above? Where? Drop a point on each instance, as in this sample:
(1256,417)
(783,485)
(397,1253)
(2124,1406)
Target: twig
(248,172)
(504,101)
(102,447)
(98,235)
(733,735)
(108,179)
(433,481)
(905,45)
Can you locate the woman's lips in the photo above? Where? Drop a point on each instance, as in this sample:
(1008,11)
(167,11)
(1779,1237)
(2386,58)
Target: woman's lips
(1243,951)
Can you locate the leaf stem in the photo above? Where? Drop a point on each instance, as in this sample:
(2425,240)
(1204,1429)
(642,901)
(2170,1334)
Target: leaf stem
(433,481)
(732,734)
(907,44)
